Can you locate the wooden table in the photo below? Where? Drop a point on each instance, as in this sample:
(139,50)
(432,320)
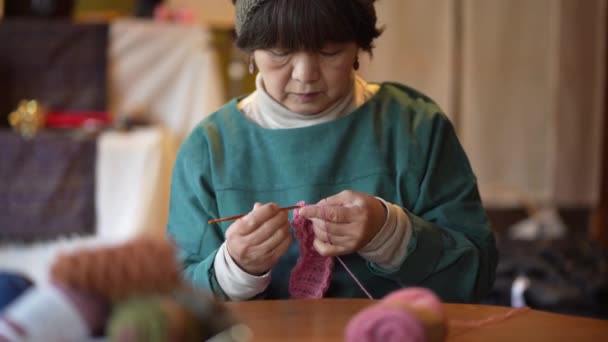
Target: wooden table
(325,319)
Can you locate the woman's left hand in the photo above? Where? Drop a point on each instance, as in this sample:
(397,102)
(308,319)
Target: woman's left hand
(345,223)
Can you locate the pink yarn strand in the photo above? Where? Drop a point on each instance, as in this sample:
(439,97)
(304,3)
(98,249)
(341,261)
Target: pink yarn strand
(489,320)
(352,275)
(471,325)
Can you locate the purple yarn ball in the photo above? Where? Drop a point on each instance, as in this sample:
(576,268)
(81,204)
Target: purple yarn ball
(385,324)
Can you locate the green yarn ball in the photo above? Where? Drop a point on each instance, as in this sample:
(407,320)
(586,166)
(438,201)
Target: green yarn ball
(139,319)
(152,319)
(185,314)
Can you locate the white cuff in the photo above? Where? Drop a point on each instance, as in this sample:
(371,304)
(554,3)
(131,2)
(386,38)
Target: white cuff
(236,283)
(388,249)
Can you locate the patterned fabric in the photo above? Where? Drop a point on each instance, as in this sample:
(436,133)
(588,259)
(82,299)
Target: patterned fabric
(57,62)
(311,276)
(47,186)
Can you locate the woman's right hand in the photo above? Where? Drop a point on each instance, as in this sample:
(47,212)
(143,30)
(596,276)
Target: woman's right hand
(258,240)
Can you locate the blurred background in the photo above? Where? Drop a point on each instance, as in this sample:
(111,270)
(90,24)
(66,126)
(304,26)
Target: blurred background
(96,96)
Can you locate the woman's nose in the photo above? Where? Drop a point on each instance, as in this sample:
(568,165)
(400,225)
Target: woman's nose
(306,68)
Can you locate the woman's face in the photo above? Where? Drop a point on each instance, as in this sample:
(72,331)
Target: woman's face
(308,82)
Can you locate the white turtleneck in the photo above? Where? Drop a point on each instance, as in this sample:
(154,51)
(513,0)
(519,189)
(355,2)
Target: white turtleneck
(265,111)
(387,249)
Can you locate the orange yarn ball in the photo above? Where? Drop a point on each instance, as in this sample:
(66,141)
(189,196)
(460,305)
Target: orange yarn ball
(140,266)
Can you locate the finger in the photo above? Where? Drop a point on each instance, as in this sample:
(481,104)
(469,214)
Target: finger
(268,228)
(336,214)
(278,251)
(260,254)
(325,233)
(320,230)
(255,218)
(268,248)
(276,245)
(327,250)
(329,238)
(334,229)
(282,248)
(343,198)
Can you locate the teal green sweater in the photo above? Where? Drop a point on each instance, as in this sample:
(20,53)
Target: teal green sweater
(398,146)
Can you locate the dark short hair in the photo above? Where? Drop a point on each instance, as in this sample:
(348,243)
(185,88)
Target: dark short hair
(308,24)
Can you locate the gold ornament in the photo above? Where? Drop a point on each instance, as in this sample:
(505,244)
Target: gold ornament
(28,118)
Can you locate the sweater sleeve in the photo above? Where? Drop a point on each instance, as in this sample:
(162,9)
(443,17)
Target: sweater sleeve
(234,281)
(388,248)
(192,204)
(452,247)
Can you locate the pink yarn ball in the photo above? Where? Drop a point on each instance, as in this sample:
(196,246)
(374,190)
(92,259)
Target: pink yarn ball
(410,315)
(384,324)
(418,297)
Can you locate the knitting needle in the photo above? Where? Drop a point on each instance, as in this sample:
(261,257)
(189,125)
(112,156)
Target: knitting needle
(232,218)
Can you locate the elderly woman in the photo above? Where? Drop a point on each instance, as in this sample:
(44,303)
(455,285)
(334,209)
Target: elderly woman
(395,197)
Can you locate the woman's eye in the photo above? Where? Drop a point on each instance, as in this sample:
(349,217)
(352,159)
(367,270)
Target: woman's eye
(330,53)
(279,53)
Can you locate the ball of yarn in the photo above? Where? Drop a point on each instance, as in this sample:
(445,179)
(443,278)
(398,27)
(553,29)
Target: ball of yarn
(183,325)
(156,318)
(409,315)
(212,315)
(12,285)
(385,324)
(186,314)
(418,297)
(139,319)
(141,266)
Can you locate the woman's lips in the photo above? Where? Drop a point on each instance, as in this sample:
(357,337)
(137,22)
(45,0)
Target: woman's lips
(307,97)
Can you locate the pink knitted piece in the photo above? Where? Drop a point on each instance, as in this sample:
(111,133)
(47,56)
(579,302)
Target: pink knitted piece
(311,276)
